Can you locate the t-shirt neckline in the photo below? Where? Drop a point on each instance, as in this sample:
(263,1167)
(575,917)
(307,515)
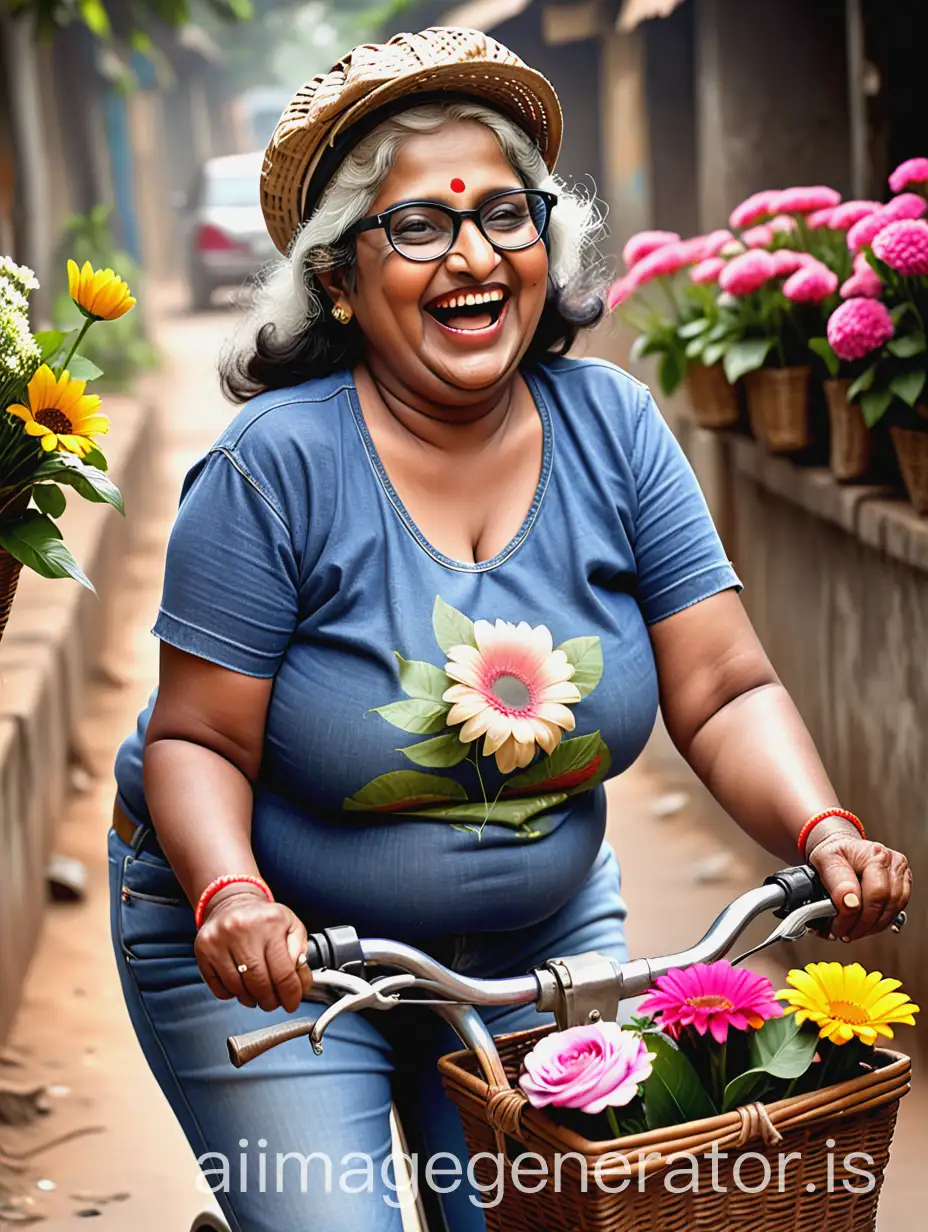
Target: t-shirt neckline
(482,566)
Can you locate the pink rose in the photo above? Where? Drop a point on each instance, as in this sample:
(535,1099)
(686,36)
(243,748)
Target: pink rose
(646,242)
(590,1068)
(912,171)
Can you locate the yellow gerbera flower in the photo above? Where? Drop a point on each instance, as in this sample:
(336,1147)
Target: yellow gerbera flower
(99,294)
(846,1001)
(61,413)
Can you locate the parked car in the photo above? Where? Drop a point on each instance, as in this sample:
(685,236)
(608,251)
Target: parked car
(226,241)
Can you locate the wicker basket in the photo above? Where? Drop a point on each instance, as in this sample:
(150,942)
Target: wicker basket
(824,1128)
(779,407)
(10,569)
(713,402)
(911,445)
(849,451)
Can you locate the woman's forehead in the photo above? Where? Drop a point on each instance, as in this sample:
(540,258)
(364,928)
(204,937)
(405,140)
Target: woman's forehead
(462,150)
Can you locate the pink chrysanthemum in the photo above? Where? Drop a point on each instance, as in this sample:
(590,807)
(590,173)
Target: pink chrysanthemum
(806,200)
(906,206)
(819,218)
(707,271)
(734,248)
(845,216)
(754,209)
(713,243)
(864,282)
(783,224)
(646,242)
(662,263)
(621,290)
(904,247)
(858,327)
(514,689)
(912,171)
(760,236)
(748,272)
(712,997)
(591,1068)
(811,283)
(787,261)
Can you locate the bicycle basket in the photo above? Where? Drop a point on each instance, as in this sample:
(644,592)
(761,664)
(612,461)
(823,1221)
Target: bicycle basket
(809,1146)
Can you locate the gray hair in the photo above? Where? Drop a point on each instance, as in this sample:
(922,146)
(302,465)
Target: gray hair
(289,304)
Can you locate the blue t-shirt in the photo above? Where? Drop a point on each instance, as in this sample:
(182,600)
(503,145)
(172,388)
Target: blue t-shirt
(380,802)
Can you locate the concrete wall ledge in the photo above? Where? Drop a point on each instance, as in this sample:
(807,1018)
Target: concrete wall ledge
(53,644)
(877,515)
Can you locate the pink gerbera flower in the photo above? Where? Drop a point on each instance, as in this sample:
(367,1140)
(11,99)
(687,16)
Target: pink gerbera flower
(912,171)
(760,236)
(755,209)
(845,216)
(904,247)
(646,242)
(806,200)
(514,688)
(858,327)
(707,271)
(748,272)
(712,997)
(811,283)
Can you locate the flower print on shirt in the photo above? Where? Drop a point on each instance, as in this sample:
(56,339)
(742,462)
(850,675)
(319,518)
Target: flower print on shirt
(505,685)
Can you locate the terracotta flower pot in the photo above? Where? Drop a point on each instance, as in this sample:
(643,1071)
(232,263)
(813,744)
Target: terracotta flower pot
(713,402)
(849,452)
(911,445)
(778,407)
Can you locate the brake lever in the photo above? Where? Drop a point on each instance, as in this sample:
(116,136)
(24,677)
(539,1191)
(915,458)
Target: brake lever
(794,926)
(384,994)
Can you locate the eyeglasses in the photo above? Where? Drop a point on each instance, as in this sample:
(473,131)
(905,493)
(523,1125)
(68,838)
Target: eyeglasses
(428,230)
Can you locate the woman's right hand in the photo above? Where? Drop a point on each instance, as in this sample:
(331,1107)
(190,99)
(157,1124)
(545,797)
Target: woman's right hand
(243,929)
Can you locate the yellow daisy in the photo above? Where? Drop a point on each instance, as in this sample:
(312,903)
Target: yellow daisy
(846,1001)
(100,294)
(60,413)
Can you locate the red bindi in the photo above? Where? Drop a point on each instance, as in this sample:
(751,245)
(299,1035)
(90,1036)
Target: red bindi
(457,185)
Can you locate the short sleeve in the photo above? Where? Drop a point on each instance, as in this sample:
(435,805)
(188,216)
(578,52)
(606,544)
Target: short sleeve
(678,554)
(231,580)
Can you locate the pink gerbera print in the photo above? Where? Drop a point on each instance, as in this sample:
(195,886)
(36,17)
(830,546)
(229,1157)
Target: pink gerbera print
(711,997)
(513,688)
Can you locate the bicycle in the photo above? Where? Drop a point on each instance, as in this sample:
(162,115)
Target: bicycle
(577,990)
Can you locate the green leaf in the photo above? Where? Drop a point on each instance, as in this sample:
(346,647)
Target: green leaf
(418,716)
(692,329)
(695,348)
(445,750)
(901,310)
(586,656)
(95,18)
(451,627)
(778,1050)
(403,789)
(823,349)
(673,1094)
(907,346)
(862,384)
(670,372)
(81,369)
(49,341)
(746,356)
(49,499)
(36,541)
(501,813)
(422,680)
(94,457)
(87,481)
(567,762)
(875,405)
(908,386)
(713,353)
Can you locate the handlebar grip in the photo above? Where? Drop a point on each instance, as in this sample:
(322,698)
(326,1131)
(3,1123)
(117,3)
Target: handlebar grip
(800,885)
(244,1048)
(338,948)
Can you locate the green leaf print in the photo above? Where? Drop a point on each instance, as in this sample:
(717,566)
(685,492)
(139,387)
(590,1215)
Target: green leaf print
(571,765)
(445,750)
(586,655)
(452,628)
(403,789)
(422,680)
(418,716)
(501,813)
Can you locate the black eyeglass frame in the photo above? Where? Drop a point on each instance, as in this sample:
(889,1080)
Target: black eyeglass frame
(458,218)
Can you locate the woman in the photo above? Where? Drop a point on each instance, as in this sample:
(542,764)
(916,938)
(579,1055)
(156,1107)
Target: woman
(421,599)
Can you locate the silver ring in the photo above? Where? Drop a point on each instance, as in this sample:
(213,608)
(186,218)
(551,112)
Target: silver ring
(241,968)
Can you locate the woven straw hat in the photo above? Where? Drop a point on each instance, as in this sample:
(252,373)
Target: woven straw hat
(440,59)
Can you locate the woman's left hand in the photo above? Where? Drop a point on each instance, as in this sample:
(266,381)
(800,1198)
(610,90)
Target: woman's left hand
(868,882)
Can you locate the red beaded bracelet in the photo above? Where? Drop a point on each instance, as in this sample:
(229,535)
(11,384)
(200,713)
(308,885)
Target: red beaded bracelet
(823,816)
(220,884)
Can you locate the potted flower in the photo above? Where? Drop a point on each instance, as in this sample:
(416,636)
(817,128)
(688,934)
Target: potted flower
(49,424)
(669,297)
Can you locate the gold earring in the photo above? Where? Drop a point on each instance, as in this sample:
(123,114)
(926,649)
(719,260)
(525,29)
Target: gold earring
(342,314)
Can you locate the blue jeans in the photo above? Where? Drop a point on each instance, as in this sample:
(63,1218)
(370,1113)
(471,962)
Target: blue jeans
(320,1124)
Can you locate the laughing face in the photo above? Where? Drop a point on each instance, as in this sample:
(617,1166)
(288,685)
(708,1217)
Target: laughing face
(450,330)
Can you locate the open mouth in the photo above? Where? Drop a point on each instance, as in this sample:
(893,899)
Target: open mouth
(469,311)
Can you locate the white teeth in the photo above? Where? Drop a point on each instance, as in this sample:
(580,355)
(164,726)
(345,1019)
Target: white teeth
(470,299)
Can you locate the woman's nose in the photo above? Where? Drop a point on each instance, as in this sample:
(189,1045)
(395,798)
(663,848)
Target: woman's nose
(472,252)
